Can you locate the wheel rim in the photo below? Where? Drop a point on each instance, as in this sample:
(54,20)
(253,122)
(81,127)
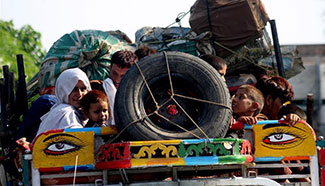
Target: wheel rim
(161,90)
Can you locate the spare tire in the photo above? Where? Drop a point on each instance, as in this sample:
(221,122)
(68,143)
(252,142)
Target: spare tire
(204,97)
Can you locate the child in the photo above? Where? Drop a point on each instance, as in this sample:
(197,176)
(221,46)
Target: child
(247,104)
(292,113)
(216,62)
(144,51)
(96,107)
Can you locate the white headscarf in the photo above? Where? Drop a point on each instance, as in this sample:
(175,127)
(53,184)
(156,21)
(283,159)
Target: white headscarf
(63,115)
(66,82)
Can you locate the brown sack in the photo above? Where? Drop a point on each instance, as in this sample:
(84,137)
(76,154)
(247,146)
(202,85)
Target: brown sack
(233,22)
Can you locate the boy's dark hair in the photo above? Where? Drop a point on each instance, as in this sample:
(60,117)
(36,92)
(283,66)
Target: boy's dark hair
(97,85)
(217,62)
(255,95)
(124,58)
(144,51)
(275,86)
(93,96)
(292,109)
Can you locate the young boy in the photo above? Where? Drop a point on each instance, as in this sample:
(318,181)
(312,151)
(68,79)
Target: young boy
(216,62)
(247,104)
(144,51)
(96,107)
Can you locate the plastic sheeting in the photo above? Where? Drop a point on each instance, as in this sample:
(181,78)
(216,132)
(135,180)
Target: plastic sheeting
(90,50)
(292,62)
(158,38)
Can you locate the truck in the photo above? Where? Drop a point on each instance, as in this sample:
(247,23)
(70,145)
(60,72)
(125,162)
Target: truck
(172,111)
(152,145)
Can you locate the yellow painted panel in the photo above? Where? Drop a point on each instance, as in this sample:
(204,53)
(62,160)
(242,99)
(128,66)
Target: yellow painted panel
(108,130)
(157,161)
(61,149)
(277,141)
(165,142)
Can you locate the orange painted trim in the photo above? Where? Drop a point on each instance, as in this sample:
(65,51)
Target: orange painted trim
(296,158)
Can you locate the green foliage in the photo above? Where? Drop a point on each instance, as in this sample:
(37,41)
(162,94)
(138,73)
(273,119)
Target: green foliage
(24,41)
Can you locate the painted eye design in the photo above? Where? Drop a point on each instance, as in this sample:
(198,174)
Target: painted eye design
(61,148)
(279,138)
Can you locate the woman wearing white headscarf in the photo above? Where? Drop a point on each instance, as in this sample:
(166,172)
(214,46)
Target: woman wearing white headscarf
(70,87)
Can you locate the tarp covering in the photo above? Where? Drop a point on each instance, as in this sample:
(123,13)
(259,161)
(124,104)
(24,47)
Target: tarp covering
(232,22)
(292,62)
(90,50)
(158,37)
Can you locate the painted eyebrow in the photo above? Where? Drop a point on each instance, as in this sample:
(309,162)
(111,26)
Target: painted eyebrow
(56,135)
(279,125)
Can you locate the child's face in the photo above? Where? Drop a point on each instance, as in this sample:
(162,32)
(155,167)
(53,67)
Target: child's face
(241,104)
(223,71)
(98,112)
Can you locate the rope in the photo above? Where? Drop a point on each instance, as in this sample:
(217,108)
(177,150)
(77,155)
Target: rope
(169,76)
(208,12)
(144,79)
(204,101)
(164,41)
(127,126)
(237,54)
(172,97)
(179,17)
(163,117)
(269,45)
(75,171)
(206,136)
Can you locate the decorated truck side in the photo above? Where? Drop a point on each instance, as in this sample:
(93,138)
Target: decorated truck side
(72,157)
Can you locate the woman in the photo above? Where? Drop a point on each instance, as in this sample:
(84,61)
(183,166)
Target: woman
(70,87)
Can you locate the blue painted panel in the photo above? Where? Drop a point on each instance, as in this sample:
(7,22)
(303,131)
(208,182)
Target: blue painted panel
(201,160)
(81,167)
(96,130)
(266,159)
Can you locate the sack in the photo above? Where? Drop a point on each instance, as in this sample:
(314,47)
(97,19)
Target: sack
(90,50)
(232,22)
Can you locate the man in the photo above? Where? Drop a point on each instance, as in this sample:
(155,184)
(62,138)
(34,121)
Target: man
(121,61)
